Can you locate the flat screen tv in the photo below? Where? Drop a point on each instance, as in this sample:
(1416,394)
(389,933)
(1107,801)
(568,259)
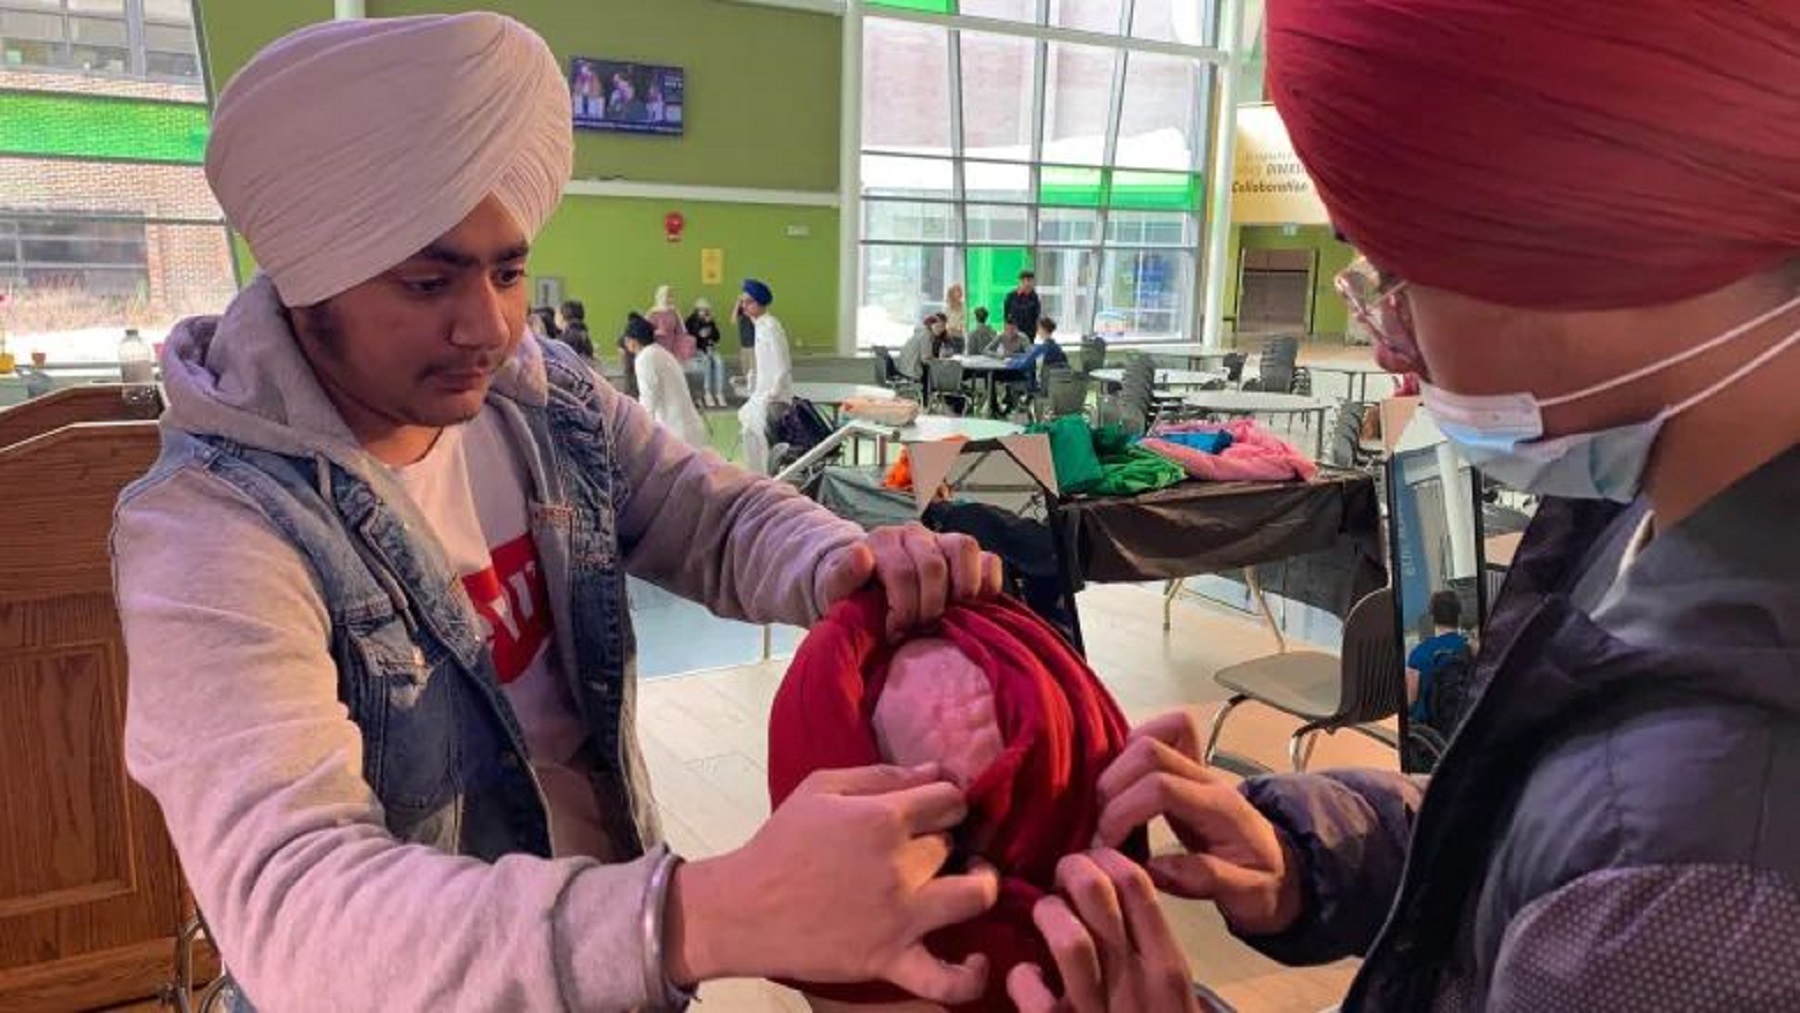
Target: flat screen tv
(632,98)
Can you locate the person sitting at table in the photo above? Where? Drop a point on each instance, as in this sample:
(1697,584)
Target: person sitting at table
(982,336)
(1011,341)
(922,346)
(1031,363)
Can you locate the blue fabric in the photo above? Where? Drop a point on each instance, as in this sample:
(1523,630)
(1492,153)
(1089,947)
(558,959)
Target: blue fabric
(1044,352)
(758,291)
(442,747)
(1426,659)
(1206,443)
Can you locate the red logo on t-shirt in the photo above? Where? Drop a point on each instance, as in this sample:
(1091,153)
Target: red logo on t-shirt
(514,602)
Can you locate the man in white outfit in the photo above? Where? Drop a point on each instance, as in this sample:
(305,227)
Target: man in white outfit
(662,384)
(772,386)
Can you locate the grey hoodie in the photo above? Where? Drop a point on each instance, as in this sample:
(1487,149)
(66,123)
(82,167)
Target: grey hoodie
(235,726)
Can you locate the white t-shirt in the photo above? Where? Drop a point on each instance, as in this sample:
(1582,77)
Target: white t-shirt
(472,489)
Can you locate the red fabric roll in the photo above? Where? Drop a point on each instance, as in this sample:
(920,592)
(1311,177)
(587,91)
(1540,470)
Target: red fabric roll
(1034,805)
(1548,154)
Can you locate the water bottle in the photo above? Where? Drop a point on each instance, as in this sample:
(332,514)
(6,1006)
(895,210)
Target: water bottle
(37,382)
(136,363)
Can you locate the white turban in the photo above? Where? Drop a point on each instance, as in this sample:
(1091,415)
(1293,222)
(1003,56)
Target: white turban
(343,149)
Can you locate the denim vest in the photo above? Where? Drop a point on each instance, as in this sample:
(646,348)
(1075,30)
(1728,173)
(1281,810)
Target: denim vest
(442,747)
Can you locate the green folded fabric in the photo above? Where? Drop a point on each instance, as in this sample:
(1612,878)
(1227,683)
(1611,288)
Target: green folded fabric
(1133,471)
(1072,451)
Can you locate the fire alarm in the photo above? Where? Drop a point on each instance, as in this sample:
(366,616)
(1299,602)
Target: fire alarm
(674,225)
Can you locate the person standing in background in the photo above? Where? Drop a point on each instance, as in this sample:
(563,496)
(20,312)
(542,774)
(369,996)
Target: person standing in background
(746,327)
(772,383)
(575,330)
(705,330)
(956,317)
(662,384)
(1023,307)
(981,336)
(671,332)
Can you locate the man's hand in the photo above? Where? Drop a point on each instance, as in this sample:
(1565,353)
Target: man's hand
(921,571)
(1235,856)
(838,886)
(1112,944)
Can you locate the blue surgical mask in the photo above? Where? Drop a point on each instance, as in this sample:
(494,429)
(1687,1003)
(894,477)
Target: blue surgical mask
(1503,434)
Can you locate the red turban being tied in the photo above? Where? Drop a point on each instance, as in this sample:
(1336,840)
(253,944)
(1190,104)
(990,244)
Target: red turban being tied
(1554,155)
(1033,805)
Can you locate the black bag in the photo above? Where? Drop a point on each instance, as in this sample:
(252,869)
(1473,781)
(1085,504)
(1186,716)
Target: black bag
(1445,700)
(802,427)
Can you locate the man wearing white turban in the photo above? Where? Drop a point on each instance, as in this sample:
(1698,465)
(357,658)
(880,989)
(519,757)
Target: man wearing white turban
(373,592)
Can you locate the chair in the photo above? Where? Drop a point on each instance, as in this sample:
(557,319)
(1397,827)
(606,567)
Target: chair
(1364,684)
(1093,355)
(1136,398)
(1065,392)
(944,379)
(1234,367)
(887,374)
(1277,365)
(1343,446)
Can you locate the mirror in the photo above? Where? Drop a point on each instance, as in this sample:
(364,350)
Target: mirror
(1441,594)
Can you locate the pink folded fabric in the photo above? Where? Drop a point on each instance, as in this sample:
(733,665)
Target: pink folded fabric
(1255,454)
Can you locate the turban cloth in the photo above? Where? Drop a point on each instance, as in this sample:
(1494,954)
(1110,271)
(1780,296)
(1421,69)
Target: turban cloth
(343,149)
(1035,803)
(1550,155)
(759,292)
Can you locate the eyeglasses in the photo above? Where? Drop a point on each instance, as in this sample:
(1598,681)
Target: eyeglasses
(1374,296)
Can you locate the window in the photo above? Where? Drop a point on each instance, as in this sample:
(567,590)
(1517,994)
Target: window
(1077,102)
(148,39)
(990,147)
(45,252)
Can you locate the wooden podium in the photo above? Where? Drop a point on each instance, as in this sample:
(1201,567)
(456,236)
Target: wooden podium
(91,896)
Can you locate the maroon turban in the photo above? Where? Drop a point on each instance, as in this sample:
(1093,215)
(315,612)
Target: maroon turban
(1551,154)
(1037,802)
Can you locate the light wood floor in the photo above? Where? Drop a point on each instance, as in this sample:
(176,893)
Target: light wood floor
(705,736)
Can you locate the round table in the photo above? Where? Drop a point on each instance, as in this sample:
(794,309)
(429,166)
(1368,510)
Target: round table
(1197,356)
(992,370)
(1170,378)
(1252,402)
(1356,376)
(927,428)
(832,395)
(930,428)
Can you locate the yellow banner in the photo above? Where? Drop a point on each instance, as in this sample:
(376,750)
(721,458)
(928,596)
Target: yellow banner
(1270,186)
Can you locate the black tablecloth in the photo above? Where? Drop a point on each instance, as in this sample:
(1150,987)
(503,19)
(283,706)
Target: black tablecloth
(1326,534)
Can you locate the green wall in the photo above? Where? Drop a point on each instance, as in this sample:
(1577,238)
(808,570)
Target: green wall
(762,83)
(612,253)
(762,92)
(1330,316)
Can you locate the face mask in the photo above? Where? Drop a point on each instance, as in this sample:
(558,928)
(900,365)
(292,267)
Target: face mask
(1502,434)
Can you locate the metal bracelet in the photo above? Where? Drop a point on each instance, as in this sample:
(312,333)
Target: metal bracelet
(659,990)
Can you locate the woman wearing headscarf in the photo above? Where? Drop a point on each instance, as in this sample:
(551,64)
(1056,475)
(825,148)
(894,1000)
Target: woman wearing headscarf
(671,330)
(1582,228)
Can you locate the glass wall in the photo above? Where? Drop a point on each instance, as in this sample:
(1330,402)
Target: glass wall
(1065,136)
(106,221)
